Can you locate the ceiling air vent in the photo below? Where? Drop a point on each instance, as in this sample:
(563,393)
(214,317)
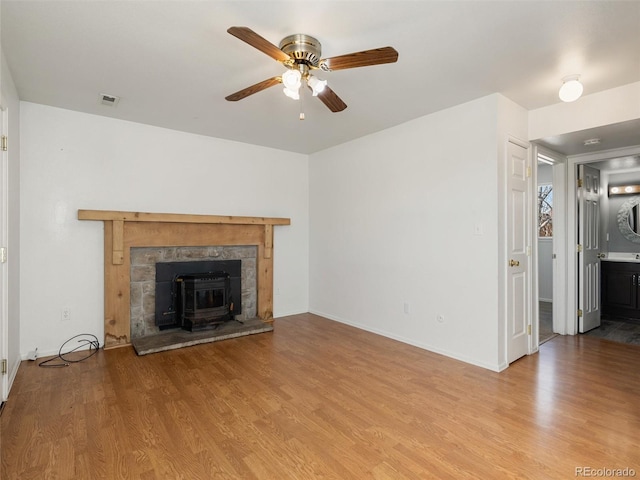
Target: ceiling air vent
(109,100)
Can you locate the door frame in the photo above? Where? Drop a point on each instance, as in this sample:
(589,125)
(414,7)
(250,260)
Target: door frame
(573,161)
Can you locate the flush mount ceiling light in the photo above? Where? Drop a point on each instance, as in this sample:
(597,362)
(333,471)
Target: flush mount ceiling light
(571,88)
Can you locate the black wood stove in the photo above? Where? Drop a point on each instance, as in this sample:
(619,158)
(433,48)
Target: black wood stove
(197,295)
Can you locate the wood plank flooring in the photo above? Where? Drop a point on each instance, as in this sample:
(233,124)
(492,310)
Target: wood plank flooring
(318,399)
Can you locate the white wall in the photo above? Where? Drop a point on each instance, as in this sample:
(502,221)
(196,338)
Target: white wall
(392,221)
(603,108)
(9,101)
(74,161)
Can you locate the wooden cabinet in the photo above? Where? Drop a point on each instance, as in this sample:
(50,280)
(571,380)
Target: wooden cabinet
(620,284)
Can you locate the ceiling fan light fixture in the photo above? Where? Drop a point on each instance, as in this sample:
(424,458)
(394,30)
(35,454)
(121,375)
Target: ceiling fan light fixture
(291,93)
(317,85)
(571,88)
(292,79)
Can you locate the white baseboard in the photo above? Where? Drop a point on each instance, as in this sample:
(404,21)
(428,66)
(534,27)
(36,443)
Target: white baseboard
(424,346)
(25,356)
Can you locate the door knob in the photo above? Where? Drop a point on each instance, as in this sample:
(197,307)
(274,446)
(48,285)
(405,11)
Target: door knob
(514,263)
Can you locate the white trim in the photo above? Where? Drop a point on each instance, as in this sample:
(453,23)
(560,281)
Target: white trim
(49,353)
(409,341)
(605,154)
(559,245)
(555,156)
(518,141)
(534,289)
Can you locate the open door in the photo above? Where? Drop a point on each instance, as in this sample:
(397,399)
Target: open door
(518,223)
(588,248)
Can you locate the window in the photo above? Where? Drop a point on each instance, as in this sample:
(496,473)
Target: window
(545,211)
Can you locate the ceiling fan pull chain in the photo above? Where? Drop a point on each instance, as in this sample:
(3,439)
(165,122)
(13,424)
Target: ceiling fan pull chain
(301,106)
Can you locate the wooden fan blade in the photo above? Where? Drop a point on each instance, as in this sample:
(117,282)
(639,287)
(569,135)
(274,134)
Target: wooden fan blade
(331,100)
(258,87)
(265,46)
(365,58)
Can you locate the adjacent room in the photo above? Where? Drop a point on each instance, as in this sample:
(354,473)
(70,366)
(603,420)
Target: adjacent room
(333,239)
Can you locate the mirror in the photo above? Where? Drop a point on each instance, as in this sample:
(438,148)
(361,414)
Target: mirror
(629,219)
(632,219)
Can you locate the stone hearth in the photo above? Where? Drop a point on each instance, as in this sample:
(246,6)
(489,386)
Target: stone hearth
(173,339)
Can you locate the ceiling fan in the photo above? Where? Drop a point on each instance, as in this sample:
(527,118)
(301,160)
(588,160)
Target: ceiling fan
(301,54)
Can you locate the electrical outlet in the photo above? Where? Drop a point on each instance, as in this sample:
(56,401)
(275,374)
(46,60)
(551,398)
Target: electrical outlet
(66,314)
(407,308)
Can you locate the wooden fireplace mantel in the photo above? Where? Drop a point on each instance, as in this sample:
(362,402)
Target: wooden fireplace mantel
(123,230)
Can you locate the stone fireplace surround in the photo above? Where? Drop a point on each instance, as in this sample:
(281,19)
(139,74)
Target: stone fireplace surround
(125,230)
(143,279)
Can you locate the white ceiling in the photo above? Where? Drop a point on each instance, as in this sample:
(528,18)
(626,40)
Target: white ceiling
(612,136)
(172,62)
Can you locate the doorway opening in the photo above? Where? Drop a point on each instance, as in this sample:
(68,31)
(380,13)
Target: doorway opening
(544,228)
(617,283)
(549,244)
(568,151)
(611,165)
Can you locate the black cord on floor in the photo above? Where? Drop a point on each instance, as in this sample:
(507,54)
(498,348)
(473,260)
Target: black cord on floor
(84,339)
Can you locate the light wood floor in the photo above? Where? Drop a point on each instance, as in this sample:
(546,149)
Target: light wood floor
(318,399)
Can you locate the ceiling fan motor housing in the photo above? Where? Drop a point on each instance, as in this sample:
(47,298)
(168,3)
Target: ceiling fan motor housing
(302,48)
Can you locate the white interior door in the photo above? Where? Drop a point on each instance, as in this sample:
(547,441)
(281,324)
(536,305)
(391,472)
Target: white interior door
(589,241)
(518,290)
(4,325)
